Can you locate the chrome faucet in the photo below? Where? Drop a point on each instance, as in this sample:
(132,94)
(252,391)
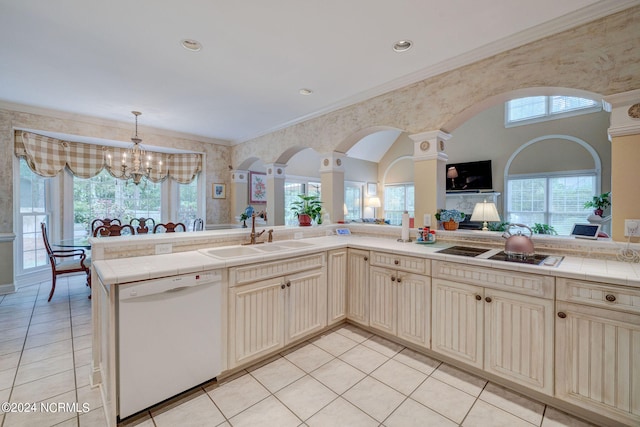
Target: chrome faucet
(253,234)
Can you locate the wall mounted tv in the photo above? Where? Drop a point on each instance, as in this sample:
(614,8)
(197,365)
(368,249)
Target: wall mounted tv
(470,176)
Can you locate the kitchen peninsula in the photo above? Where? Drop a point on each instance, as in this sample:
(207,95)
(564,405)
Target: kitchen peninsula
(550,332)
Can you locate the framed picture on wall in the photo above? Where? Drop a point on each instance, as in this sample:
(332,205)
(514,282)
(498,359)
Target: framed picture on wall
(257,187)
(372,189)
(219,191)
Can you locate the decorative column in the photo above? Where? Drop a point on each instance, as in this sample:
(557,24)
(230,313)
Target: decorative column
(429,174)
(239,192)
(275,193)
(625,156)
(332,179)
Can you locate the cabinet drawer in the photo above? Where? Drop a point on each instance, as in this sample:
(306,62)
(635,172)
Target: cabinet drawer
(599,294)
(512,281)
(401,262)
(254,272)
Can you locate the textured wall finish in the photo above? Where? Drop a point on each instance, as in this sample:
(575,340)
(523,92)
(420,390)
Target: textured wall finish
(601,57)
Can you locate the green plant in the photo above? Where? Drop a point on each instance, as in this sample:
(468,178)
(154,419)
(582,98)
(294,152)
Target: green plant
(309,205)
(450,214)
(543,229)
(498,226)
(599,202)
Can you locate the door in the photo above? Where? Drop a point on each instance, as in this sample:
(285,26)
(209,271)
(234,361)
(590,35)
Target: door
(357,286)
(337,286)
(414,308)
(256,320)
(306,300)
(598,360)
(519,338)
(382,299)
(457,329)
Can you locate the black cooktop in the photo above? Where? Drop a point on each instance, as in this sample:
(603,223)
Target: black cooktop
(463,251)
(536,259)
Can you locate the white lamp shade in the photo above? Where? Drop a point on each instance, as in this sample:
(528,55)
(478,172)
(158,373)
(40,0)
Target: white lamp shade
(486,212)
(374,202)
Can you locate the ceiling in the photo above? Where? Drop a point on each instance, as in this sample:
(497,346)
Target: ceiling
(105,59)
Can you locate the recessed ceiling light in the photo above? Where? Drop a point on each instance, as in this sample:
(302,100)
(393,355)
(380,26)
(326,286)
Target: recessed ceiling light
(305,91)
(192,45)
(402,45)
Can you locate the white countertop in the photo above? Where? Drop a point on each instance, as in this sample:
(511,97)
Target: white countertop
(125,270)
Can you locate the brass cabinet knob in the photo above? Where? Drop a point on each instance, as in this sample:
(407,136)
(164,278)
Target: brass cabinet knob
(399,280)
(393,278)
(366,258)
(478,297)
(396,261)
(488,299)
(282,286)
(562,315)
(610,297)
(288,283)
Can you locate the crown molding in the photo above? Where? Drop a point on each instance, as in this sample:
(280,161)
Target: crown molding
(555,26)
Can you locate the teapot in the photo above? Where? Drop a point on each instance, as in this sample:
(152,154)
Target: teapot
(518,245)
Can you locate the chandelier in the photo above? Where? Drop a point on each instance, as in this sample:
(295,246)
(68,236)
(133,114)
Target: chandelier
(136,172)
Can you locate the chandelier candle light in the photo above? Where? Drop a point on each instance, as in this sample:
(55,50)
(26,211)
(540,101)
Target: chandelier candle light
(137,154)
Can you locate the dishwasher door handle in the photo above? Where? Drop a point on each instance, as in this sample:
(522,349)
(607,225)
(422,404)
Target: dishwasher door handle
(178,289)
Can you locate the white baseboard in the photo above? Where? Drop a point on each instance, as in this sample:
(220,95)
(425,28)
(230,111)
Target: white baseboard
(9,288)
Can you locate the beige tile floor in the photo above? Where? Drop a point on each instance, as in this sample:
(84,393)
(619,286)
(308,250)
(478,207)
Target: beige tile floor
(346,377)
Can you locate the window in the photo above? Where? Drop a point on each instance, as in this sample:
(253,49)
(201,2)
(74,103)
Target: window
(33,195)
(104,196)
(538,108)
(397,199)
(353,201)
(188,203)
(557,200)
(291,190)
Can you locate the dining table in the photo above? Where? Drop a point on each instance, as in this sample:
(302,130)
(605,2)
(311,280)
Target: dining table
(74,242)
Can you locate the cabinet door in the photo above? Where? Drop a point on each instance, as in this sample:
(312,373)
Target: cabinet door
(255,320)
(357,286)
(382,299)
(457,329)
(306,302)
(518,340)
(337,286)
(414,308)
(598,360)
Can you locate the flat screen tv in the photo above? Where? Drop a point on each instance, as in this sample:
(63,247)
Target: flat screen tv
(470,176)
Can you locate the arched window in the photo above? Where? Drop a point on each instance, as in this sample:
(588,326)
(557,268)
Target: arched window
(533,109)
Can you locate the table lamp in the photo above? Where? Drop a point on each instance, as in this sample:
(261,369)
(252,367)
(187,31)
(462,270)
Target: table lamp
(485,212)
(374,202)
(452,174)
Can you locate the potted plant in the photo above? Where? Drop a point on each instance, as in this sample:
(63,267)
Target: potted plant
(599,203)
(543,229)
(450,218)
(307,209)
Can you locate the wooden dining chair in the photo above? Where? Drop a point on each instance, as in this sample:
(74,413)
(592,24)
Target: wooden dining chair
(169,227)
(142,227)
(198,224)
(103,221)
(113,230)
(65,261)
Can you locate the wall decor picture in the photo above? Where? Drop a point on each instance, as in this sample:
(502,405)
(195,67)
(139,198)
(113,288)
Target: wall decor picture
(372,189)
(219,191)
(257,187)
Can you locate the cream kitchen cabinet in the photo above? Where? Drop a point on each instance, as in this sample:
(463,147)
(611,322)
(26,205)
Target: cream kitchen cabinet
(266,315)
(337,286)
(399,300)
(358,286)
(498,321)
(598,348)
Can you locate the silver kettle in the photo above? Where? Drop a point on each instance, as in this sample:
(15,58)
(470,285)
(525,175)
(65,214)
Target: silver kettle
(518,245)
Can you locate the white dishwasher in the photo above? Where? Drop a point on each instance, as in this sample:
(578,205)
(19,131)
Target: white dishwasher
(169,337)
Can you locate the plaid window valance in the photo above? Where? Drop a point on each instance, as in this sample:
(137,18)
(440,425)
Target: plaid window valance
(47,156)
